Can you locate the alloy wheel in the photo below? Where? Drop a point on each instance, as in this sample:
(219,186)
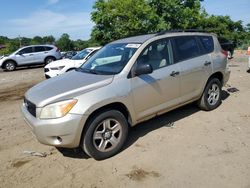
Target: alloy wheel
(213,94)
(107,135)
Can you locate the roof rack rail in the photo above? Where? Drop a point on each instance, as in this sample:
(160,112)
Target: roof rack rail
(181,30)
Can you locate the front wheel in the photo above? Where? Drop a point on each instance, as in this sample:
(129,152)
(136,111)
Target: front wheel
(211,97)
(105,134)
(10,66)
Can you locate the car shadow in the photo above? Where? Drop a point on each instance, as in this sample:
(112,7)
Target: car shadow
(142,129)
(25,68)
(73,153)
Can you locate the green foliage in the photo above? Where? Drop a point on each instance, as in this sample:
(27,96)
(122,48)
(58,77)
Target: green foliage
(224,26)
(178,14)
(65,43)
(49,40)
(116,19)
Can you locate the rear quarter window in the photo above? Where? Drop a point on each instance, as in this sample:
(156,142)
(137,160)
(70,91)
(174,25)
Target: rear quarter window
(207,43)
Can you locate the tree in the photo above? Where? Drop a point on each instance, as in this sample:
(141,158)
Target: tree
(64,43)
(116,19)
(49,39)
(37,40)
(80,44)
(178,14)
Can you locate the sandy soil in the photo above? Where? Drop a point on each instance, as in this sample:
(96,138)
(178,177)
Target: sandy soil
(184,148)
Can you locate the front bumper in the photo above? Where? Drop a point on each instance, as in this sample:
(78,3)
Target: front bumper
(62,132)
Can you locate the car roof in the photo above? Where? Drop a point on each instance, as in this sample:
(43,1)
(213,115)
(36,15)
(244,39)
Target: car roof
(135,39)
(48,45)
(143,38)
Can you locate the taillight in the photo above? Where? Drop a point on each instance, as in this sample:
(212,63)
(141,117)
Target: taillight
(224,52)
(57,49)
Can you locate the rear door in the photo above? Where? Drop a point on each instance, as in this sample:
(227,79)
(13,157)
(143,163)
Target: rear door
(155,92)
(39,54)
(25,56)
(195,64)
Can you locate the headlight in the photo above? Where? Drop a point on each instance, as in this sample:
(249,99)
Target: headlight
(57,110)
(57,68)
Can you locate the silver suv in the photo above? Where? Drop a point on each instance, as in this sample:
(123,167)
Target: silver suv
(128,81)
(30,55)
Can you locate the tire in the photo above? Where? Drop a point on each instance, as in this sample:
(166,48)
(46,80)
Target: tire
(211,97)
(10,66)
(105,134)
(49,60)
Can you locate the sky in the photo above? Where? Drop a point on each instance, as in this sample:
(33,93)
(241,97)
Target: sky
(29,18)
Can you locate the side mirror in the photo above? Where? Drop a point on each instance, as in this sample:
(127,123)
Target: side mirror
(19,53)
(143,69)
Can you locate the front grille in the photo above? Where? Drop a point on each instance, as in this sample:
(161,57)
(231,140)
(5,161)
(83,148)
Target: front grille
(46,70)
(30,107)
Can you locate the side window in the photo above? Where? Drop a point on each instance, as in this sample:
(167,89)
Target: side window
(26,50)
(158,54)
(47,48)
(185,47)
(39,49)
(207,43)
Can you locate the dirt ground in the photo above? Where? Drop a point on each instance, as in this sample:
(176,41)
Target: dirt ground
(183,148)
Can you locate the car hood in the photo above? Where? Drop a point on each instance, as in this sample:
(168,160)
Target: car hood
(66,86)
(62,62)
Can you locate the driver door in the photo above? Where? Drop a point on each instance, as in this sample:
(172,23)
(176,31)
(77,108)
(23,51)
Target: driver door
(25,56)
(160,90)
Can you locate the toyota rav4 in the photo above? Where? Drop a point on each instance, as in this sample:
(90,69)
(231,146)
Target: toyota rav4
(128,81)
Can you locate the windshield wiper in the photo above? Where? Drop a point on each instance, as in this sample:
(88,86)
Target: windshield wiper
(92,71)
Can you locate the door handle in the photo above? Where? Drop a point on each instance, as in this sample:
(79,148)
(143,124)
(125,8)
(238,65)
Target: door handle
(207,63)
(31,54)
(174,73)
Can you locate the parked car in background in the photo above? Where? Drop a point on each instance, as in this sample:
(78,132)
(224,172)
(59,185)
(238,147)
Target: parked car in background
(69,55)
(228,46)
(30,55)
(127,82)
(64,65)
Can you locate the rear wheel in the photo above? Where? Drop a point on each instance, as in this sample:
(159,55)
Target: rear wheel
(49,60)
(10,66)
(105,134)
(211,97)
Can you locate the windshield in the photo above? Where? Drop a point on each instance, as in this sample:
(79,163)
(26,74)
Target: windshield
(81,55)
(111,59)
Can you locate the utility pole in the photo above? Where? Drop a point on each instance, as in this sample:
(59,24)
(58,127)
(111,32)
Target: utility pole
(20,40)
